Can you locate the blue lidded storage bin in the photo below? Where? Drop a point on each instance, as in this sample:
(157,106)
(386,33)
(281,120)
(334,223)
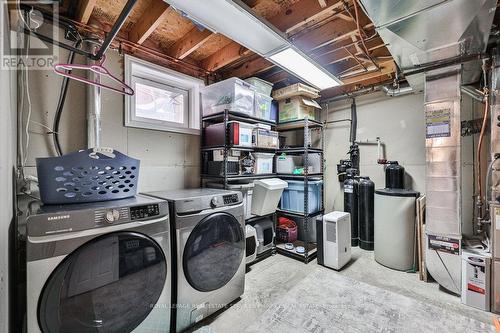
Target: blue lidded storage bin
(293,196)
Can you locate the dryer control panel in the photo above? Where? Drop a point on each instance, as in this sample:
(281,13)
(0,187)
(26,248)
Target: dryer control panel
(230,199)
(141,212)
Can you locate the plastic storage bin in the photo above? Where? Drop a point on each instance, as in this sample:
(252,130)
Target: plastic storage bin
(297,108)
(263,104)
(265,138)
(232,94)
(261,86)
(293,196)
(286,164)
(266,195)
(251,244)
(265,234)
(263,163)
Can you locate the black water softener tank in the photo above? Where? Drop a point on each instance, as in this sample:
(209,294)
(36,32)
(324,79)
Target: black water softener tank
(351,203)
(366,192)
(394,175)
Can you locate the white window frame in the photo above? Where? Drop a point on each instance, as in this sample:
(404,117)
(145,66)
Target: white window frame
(141,71)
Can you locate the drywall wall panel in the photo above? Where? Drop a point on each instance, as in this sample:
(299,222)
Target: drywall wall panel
(8,84)
(398,121)
(168,160)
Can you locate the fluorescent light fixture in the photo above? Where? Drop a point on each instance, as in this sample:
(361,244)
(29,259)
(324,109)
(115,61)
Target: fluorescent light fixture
(300,65)
(235,20)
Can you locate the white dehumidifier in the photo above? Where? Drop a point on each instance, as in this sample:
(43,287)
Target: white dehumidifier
(334,239)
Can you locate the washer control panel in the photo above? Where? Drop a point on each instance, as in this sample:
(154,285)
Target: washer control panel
(141,212)
(230,199)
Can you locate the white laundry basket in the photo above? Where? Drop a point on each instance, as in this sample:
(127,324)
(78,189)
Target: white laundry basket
(266,195)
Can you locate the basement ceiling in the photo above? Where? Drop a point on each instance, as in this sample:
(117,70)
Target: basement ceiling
(326,30)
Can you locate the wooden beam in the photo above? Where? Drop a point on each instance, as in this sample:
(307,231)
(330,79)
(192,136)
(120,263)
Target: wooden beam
(386,68)
(228,54)
(352,88)
(296,15)
(278,77)
(189,43)
(341,54)
(84,10)
(322,3)
(304,13)
(252,67)
(149,21)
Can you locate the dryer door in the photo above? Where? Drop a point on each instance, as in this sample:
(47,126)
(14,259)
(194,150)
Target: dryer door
(109,284)
(213,252)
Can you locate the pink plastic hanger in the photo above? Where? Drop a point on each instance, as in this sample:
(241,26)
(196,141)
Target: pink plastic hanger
(65,70)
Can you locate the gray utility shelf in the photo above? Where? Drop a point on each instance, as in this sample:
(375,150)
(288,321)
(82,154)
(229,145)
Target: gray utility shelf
(302,125)
(240,177)
(231,115)
(299,124)
(311,253)
(300,150)
(250,149)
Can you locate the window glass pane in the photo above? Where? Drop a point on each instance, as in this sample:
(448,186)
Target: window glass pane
(160,104)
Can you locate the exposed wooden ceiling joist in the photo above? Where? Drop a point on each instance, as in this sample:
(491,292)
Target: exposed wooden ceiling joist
(293,17)
(189,43)
(84,10)
(149,21)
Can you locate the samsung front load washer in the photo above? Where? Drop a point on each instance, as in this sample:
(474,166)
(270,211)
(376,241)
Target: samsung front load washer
(209,242)
(99,267)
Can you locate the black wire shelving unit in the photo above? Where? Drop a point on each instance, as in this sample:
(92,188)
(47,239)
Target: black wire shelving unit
(224,178)
(305,125)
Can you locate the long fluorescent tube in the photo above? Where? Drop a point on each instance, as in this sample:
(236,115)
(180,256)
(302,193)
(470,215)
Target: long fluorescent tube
(299,65)
(237,21)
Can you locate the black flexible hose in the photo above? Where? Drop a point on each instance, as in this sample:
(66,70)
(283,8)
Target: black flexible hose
(60,104)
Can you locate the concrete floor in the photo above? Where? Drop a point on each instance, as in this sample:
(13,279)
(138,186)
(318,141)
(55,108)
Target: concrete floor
(284,294)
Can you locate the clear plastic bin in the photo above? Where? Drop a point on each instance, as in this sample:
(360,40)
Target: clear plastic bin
(297,108)
(263,163)
(263,106)
(293,196)
(261,86)
(232,94)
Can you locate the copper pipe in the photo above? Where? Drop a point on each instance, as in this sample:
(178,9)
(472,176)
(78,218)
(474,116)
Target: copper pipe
(361,35)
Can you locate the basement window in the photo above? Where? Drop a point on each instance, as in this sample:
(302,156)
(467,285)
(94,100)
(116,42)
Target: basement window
(164,99)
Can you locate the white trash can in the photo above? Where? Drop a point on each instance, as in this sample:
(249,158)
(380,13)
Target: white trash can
(266,195)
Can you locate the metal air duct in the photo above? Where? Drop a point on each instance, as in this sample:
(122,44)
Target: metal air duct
(419,32)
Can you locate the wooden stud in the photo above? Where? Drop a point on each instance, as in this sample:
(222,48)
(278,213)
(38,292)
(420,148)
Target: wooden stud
(149,21)
(189,43)
(228,54)
(84,11)
(296,15)
(322,3)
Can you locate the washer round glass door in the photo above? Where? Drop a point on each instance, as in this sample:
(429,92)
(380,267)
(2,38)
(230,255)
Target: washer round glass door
(213,252)
(109,284)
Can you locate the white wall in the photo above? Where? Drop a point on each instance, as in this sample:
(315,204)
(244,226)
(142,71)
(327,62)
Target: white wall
(168,160)
(398,121)
(7,171)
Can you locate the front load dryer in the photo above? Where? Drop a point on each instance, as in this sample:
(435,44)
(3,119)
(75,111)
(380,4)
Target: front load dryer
(209,243)
(99,267)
